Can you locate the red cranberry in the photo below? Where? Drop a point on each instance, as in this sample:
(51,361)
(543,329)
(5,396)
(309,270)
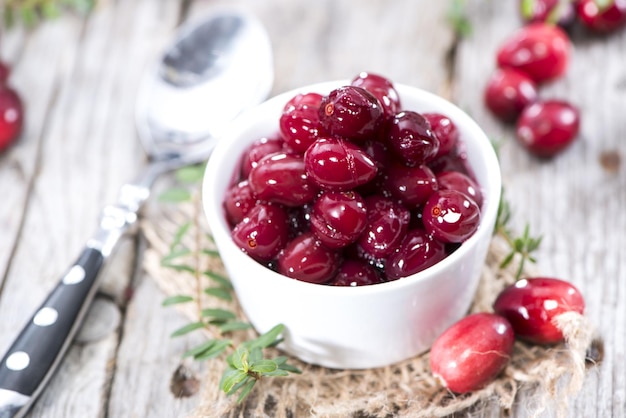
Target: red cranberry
(450,216)
(238,201)
(356,273)
(299,122)
(306,258)
(258,150)
(11,116)
(455,160)
(412,139)
(445,130)
(351,112)
(387,223)
(454,180)
(508,92)
(547,128)
(472,352)
(382,88)
(263,232)
(540,50)
(602,19)
(417,252)
(338,218)
(281,178)
(337,164)
(412,185)
(531,305)
(549,11)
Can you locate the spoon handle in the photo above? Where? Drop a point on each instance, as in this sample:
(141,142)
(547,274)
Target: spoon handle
(37,351)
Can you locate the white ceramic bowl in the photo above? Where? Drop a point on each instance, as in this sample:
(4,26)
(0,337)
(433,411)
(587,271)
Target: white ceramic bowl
(353,327)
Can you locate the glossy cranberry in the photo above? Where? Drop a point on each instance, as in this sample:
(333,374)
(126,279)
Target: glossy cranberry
(412,185)
(338,218)
(281,178)
(455,160)
(454,180)
(382,88)
(356,273)
(549,11)
(445,130)
(602,19)
(450,216)
(508,92)
(531,305)
(351,112)
(337,164)
(417,252)
(11,116)
(306,258)
(238,201)
(263,232)
(299,123)
(546,128)
(258,150)
(472,352)
(380,155)
(387,223)
(412,139)
(540,50)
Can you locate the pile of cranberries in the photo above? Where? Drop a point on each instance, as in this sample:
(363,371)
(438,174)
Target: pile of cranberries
(472,352)
(11,111)
(353,190)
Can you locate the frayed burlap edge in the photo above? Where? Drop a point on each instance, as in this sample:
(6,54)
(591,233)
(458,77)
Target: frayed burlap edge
(553,374)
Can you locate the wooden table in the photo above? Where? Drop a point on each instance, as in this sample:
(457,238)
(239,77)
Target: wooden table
(79,76)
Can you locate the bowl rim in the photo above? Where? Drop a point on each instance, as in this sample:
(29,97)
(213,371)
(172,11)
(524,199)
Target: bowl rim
(213,208)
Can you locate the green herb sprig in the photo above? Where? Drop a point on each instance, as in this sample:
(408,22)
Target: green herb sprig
(457,18)
(246,363)
(31,12)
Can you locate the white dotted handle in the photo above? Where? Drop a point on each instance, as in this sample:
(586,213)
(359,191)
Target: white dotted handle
(35,354)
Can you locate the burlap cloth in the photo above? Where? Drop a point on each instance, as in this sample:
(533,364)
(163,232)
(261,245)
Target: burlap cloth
(551,374)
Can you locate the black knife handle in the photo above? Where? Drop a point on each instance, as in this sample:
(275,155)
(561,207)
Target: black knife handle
(37,351)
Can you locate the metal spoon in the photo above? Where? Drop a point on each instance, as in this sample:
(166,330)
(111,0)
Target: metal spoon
(215,67)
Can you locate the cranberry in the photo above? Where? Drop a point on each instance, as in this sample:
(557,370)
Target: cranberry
(549,11)
(412,185)
(417,252)
(263,232)
(472,352)
(382,88)
(602,19)
(238,201)
(450,216)
(508,92)
(282,179)
(338,218)
(11,116)
(454,180)
(387,223)
(540,50)
(380,155)
(455,160)
(531,305)
(547,128)
(259,149)
(356,273)
(412,139)
(299,122)
(351,112)
(445,130)
(337,164)
(306,258)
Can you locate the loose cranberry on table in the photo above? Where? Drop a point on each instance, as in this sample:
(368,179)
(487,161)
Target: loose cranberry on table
(540,50)
(546,128)
(549,11)
(531,305)
(450,216)
(472,352)
(382,88)
(602,19)
(351,112)
(508,92)
(11,116)
(305,258)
